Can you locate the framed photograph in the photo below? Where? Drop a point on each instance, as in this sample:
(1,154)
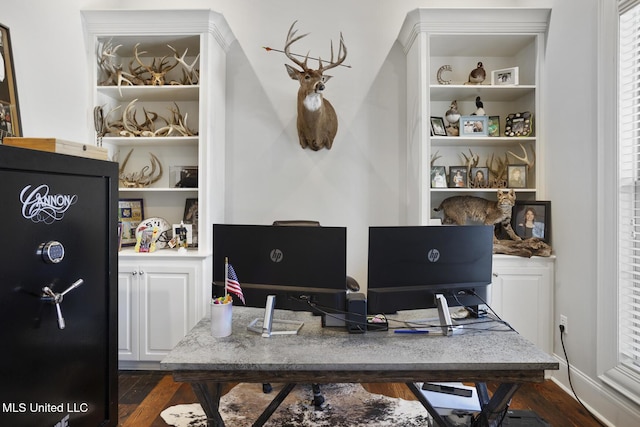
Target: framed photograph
(146,243)
(182,235)
(532,219)
(493,126)
(130,214)
(479,177)
(183,176)
(438,177)
(437,127)
(9,111)
(519,124)
(505,77)
(517,176)
(474,125)
(191,217)
(458,176)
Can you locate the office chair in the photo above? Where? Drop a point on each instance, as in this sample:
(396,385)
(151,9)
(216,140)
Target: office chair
(351,284)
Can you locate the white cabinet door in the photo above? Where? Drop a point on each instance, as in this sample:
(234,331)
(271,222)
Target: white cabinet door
(157,306)
(522,295)
(128,312)
(167,307)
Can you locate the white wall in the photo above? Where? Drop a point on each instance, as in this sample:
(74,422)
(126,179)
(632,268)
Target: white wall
(361,181)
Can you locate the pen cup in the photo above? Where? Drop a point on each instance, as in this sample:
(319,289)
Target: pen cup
(221,315)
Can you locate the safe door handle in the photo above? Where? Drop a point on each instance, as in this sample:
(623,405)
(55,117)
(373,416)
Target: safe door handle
(56,298)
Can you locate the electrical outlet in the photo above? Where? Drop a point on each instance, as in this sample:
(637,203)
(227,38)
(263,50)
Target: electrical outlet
(563,322)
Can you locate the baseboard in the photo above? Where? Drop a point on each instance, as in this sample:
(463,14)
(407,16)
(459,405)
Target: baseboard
(130,365)
(611,408)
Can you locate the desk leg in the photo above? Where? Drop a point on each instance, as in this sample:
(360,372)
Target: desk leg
(483,394)
(209,396)
(425,402)
(269,410)
(493,409)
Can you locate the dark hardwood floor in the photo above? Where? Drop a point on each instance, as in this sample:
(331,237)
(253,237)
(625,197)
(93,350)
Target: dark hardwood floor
(144,394)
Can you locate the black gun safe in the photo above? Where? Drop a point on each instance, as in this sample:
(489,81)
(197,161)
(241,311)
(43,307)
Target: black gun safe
(58,290)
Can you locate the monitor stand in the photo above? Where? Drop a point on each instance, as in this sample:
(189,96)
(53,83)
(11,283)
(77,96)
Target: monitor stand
(444,315)
(286,327)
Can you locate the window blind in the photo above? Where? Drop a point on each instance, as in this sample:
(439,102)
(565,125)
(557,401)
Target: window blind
(628,184)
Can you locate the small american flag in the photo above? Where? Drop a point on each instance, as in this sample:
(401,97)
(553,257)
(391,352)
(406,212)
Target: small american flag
(232,285)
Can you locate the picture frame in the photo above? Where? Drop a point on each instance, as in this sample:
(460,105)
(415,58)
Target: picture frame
(479,177)
(190,217)
(438,177)
(517,176)
(473,126)
(130,214)
(458,177)
(10,123)
(493,126)
(532,219)
(437,126)
(506,77)
(519,124)
(183,235)
(183,176)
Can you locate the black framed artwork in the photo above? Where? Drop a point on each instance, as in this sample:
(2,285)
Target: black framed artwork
(532,219)
(458,176)
(479,177)
(437,127)
(191,217)
(9,110)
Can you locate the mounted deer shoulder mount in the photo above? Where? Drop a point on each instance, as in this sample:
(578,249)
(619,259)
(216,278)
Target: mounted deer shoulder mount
(317,121)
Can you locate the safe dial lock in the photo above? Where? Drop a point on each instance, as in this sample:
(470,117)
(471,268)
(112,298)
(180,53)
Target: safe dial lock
(52,252)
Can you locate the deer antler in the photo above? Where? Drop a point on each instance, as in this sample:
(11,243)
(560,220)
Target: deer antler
(157,73)
(106,56)
(500,172)
(191,73)
(129,122)
(525,158)
(112,128)
(472,160)
(145,177)
(291,39)
(435,156)
(341,49)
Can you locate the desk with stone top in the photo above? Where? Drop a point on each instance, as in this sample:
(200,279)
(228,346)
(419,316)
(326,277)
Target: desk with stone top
(332,355)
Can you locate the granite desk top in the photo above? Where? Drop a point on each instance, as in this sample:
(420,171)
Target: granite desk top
(317,348)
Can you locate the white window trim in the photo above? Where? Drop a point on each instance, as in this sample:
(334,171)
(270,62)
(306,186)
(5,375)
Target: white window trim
(610,371)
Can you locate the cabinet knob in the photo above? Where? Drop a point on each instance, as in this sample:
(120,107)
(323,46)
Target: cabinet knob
(141,272)
(494,274)
(135,273)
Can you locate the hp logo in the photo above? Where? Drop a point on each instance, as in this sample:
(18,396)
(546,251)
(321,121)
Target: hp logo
(276,255)
(433,255)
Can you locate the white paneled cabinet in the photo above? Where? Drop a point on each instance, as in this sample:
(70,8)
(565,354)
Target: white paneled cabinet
(157,305)
(522,295)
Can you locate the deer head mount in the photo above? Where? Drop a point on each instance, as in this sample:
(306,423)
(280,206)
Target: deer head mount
(317,121)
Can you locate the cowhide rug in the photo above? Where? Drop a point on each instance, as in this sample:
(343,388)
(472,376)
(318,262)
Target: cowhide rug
(346,405)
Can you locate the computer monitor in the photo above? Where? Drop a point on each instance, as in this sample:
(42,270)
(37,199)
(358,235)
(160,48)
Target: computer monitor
(303,266)
(409,265)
